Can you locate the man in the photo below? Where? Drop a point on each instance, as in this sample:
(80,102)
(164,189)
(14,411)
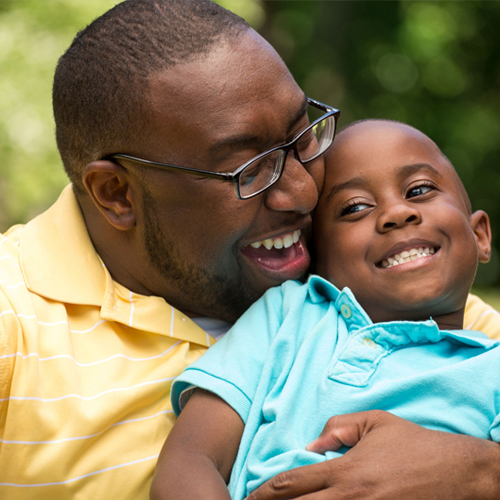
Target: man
(99,291)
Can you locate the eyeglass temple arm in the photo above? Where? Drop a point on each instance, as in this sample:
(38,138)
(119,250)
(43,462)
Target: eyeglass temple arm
(200,173)
(320,105)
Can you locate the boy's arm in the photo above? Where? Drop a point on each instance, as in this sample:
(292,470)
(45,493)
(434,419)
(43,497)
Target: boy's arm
(199,453)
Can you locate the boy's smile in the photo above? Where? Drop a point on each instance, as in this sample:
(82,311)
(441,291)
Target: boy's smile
(394,225)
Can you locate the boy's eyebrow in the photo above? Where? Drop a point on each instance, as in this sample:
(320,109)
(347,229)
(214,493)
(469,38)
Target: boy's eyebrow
(407,170)
(351,183)
(403,172)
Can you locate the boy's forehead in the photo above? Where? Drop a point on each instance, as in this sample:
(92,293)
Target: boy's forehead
(381,138)
(376,143)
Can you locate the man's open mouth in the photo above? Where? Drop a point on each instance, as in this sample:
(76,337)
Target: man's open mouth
(278,253)
(280,242)
(407,256)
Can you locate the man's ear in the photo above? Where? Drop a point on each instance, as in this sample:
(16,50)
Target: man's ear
(480,223)
(108,185)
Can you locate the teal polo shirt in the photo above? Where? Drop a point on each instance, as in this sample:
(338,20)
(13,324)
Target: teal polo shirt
(306,352)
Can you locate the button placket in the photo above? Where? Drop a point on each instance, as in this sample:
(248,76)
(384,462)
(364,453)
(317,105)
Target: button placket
(359,359)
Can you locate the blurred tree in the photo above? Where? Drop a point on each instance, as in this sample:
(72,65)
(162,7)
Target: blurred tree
(434,65)
(33,35)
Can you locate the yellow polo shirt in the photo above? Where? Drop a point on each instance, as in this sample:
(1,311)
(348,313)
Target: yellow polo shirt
(85,367)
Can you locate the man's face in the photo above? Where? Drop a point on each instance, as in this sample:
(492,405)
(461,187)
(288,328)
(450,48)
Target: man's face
(215,114)
(393,224)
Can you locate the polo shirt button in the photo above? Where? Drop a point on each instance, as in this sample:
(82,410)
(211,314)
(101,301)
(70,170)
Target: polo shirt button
(346,311)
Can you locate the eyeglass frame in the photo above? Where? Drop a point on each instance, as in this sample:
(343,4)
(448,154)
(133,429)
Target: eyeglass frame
(234,176)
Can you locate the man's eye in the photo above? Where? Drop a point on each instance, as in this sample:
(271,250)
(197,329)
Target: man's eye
(419,190)
(306,141)
(353,208)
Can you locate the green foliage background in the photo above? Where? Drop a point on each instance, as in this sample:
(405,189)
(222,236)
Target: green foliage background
(434,65)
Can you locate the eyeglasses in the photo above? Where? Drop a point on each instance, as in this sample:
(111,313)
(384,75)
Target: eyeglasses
(262,171)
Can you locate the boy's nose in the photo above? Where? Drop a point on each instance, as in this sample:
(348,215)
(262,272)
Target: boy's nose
(398,215)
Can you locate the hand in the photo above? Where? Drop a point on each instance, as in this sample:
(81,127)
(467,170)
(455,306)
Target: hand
(391,459)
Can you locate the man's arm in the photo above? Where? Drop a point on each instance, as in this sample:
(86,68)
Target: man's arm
(198,455)
(391,459)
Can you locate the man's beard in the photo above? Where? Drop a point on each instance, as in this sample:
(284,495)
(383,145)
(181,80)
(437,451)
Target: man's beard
(210,294)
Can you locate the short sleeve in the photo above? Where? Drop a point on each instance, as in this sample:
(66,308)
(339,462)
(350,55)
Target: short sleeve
(495,430)
(231,368)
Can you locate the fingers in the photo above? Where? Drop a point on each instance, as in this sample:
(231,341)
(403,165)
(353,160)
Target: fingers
(346,430)
(294,483)
(394,459)
(316,481)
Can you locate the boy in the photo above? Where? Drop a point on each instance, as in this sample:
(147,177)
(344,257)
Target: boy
(393,224)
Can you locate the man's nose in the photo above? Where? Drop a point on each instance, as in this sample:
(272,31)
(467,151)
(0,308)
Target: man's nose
(298,187)
(397,214)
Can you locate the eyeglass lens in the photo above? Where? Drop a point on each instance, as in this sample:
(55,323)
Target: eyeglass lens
(265,171)
(261,173)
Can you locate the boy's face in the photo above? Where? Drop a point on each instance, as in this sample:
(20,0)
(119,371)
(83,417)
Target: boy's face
(388,190)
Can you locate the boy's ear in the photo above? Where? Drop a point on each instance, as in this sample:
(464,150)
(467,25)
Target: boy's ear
(108,185)
(480,223)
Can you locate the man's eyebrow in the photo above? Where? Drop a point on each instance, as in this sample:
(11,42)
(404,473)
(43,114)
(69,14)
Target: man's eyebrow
(300,113)
(244,140)
(236,142)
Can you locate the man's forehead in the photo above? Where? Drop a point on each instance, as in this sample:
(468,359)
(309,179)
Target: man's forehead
(230,65)
(238,96)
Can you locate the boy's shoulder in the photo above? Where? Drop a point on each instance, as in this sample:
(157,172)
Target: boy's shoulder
(316,288)
(292,293)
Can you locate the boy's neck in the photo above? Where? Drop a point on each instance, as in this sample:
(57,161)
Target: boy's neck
(448,321)
(451,321)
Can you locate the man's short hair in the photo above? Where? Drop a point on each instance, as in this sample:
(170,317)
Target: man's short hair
(101,82)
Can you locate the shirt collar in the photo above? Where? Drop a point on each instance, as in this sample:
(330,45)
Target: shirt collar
(59,262)
(57,256)
(320,290)
(392,332)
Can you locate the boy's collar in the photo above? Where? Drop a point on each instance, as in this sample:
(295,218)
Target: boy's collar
(344,300)
(355,317)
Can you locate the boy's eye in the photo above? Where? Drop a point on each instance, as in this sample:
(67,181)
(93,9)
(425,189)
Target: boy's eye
(353,207)
(419,190)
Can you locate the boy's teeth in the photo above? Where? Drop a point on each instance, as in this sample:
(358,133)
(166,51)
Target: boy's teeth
(407,256)
(282,242)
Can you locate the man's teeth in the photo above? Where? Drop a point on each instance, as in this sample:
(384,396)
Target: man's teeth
(407,256)
(285,241)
